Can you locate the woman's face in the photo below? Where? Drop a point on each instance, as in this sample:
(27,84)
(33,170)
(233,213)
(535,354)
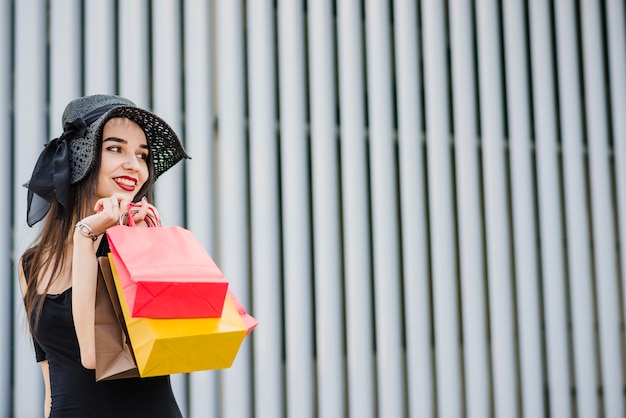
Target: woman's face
(124,161)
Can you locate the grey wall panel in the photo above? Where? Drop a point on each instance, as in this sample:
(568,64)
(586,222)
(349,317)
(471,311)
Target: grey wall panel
(167,99)
(132,54)
(325,212)
(441,213)
(6,185)
(66,59)
(576,210)
(497,214)
(384,203)
(413,210)
(523,199)
(100,66)
(29,135)
(549,192)
(602,217)
(616,34)
(265,212)
(296,212)
(356,229)
(470,226)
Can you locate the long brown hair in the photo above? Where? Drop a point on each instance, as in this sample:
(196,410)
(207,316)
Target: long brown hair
(47,253)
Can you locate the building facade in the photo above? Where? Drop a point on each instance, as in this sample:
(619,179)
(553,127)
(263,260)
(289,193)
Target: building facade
(423,202)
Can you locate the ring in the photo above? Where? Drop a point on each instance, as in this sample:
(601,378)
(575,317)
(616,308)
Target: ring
(116,205)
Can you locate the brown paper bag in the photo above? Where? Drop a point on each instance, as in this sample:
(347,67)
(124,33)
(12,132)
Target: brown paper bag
(114,356)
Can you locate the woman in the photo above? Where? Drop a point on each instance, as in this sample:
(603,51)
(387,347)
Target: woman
(110,154)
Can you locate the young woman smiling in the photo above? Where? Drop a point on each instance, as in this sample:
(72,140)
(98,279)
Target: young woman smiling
(109,154)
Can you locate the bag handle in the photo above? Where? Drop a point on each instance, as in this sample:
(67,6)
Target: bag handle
(151,219)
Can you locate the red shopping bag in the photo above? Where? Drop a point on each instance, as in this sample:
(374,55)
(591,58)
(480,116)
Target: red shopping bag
(166,273)
(249,321)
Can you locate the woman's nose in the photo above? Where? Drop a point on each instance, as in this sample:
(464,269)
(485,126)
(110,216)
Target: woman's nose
(131,163)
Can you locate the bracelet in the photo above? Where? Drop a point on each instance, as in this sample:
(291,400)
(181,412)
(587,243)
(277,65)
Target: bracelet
(86,230)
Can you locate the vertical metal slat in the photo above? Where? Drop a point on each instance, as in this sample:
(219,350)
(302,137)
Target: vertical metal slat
(469,212)
(496,211)
(441,214)
(355,204)
(265,212)
(325,182)
(413,209)
(295,209)
(167,100)
(523,202)
(576,213)
(6,185)
(65,61)
(133,52)
(30,128)
(616,34)
(551,233)
(384,212)
(100,62)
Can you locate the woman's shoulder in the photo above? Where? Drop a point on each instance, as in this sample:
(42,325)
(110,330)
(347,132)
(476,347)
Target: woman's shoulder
(23,265)
(27,256)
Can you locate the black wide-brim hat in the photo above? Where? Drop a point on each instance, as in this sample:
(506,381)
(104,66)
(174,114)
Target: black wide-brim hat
(68,159)
(165,146)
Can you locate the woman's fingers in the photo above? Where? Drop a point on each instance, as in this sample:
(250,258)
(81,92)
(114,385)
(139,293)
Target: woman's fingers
(114,202)
(115,209)
(144,212)
(139,212)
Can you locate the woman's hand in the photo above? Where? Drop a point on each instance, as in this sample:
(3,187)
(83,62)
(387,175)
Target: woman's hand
(142,213)
(107,213)
(111,211)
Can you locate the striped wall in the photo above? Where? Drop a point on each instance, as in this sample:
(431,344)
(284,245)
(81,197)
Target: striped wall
(423,202)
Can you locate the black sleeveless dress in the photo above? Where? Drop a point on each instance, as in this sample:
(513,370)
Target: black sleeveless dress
(74,390)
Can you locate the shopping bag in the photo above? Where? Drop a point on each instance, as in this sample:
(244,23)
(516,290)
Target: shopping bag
(182,345)
(166,273)
(114,357)
(249,321)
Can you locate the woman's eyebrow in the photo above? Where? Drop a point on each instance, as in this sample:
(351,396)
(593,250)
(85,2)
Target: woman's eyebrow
(122,141)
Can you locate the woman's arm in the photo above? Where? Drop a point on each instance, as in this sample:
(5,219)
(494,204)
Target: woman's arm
(85,272)
(84,275)
(47,403)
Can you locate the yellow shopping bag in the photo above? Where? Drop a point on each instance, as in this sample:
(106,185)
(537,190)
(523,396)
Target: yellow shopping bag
(182,345)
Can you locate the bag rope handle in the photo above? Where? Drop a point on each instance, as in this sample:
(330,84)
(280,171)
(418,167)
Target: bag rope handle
(151,219)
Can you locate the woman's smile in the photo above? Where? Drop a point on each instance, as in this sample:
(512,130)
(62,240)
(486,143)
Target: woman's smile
(126,183)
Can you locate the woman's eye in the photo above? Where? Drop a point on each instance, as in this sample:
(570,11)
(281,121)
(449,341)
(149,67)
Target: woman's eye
(142,156)
(114,148)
